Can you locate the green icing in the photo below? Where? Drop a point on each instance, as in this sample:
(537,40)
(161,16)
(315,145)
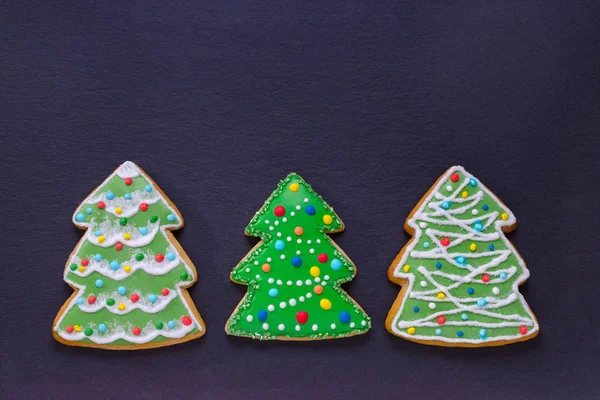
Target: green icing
(415,312)
(343,318)
(147,276)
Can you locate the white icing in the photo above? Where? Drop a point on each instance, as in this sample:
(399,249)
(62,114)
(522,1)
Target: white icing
(431,211)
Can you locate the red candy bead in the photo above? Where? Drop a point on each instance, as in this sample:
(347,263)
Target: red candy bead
(445,241)
(134,297)
(523,329)
(302,317)
(128,181)
(101,205)
(92,299)
(454,178)
(187,321)
(119,246)
(322,258)
(159,258)
(85,262)
(136,331)
(279,211)
(144,206)
(165,292)
(69,329)
(441,320)
(485,278)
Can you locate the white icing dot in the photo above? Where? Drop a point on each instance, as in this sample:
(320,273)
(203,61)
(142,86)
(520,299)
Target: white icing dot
(267,222)
(249,318)
(298,252)
(276,222)
(306,200)
(449,188)
(289,239)
(255,262)
(308,282)
(318,240)
(309,241)
(352,324)
(496,291)
(279,282)
(271,228)
(265,326)
(315,327)
(301,298)
(278,234)
(290,283)
(299,282)
(299,241)
(298,207)
(292,213)
(475,211)
(432,306)
(282,256)
(271,307)
(423,224)
(423,284)
(332,326)
(271,280)
(311,251)
(284,219)
(292,302)
(363,322)
(269,259)
(247,269)
(308,295)
(281,327)
(297,328)
(317,279)
(326,277)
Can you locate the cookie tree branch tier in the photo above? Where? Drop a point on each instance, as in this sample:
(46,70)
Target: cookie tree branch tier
(128,271)
(460,276)
(294,274)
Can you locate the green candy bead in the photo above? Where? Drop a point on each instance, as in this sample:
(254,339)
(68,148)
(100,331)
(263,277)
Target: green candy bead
(153,219)
(73,267)
(184,276)
(88,331)
(110,302)
(159,325)
(123,221)
(139,257)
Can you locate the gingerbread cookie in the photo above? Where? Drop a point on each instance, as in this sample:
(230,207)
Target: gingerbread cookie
(128,271)
(460,276)
(294,274)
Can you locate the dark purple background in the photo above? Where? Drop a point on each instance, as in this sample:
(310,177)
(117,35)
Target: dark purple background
(370,103)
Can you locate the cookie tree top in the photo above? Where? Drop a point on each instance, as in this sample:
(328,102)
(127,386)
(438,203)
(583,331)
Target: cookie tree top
(459,274)
(294,274)
(128,271)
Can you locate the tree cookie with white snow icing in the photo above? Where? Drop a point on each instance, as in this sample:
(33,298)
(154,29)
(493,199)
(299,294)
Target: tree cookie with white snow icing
(460,275)
(129,273)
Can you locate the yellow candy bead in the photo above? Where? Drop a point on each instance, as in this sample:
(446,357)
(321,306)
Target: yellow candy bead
(504,216)
(121,306)
(406,268)
(464,194)
(127,236)
(327,219)
(101,239)
(411,330)
(81,268)
(77,328)
(325,304)
(441,296)
(473,247)
(127,268)
(315,271)
(294,187)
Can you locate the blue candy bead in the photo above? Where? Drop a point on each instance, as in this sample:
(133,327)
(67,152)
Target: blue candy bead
(152,298)
(144,230)
(416,309)
(170,256)
(438,265)
(481,303)
(273,292)
(470,290)
(148,188)
(310,210)
(503,275)
(336,264)
(80,217)
(485,207)
(102,328)
(122,290)
(438,331)
(262,315)
(296,261)
(344,317)
(110,195)
(80,301)
(98,257)
(127,196)
(464,317)
(491,247)
(114,265)
(279,245)
(460,334)
(89,210)
(171,324)
(171,218)
(99,283)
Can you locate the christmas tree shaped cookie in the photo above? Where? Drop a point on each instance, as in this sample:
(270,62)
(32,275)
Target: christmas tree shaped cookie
(128,271)
(294,274)
(460,276)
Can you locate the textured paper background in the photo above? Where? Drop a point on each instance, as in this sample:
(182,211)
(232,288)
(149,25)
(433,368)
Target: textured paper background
(217,101)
